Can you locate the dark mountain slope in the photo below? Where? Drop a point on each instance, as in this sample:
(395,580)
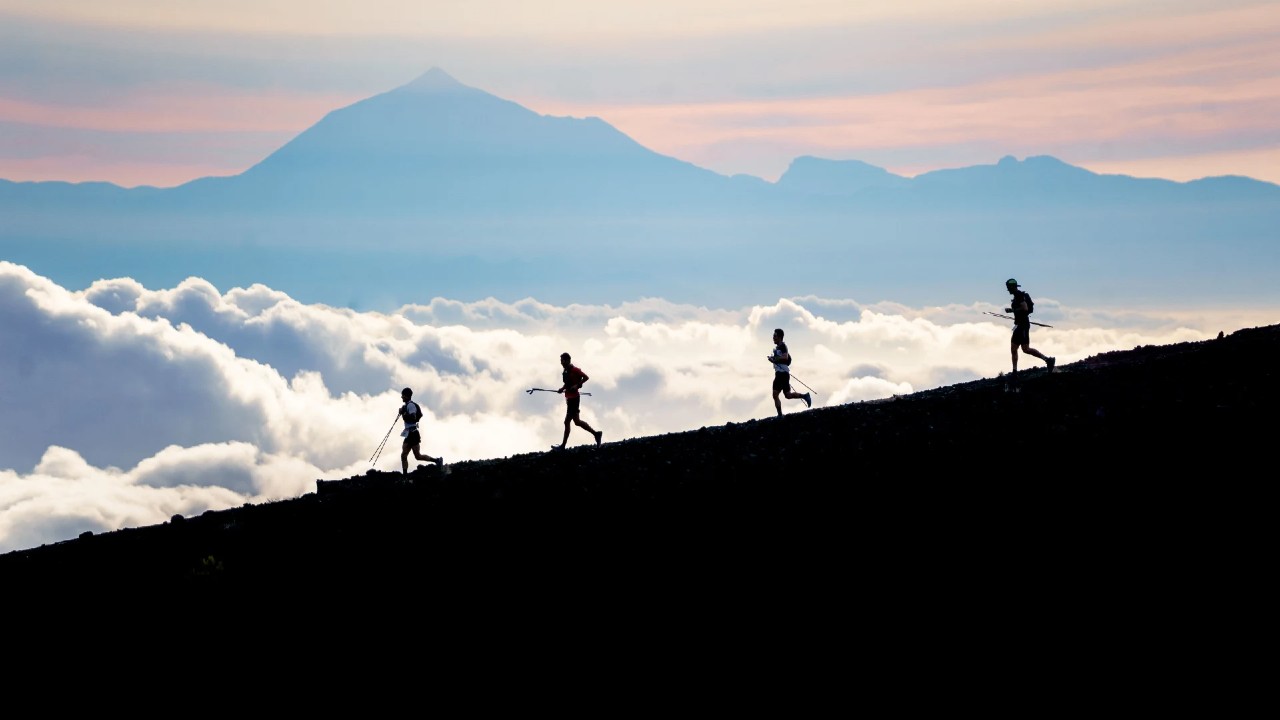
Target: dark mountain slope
(1104,456)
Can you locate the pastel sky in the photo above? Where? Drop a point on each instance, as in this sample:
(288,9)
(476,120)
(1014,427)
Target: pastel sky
(153,92)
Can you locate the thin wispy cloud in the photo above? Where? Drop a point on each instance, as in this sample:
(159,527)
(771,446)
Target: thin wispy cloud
(125,405)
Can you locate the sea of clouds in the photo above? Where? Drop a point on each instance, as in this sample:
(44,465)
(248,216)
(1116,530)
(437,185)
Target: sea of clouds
(122,406)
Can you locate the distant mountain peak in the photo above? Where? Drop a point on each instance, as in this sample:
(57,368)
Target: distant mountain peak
(434,80)
(1040,162)
(836,177)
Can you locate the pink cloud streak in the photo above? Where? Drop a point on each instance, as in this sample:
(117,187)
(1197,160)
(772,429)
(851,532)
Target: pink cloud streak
(1200,93)
(187,109)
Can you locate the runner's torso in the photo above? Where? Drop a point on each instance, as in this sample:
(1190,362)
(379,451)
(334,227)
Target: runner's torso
(779,350)
(1019,314)
(573,379)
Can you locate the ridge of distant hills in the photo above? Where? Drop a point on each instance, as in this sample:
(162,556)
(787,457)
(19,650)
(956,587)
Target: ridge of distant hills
(1150,447)
(435,142)
(499,199)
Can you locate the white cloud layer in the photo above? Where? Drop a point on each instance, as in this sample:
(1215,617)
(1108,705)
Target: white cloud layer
(121,406)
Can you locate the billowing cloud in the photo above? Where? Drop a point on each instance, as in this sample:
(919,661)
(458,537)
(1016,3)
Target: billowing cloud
(122,405)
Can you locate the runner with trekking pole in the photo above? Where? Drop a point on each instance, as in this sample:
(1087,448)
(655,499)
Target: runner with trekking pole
(781,359)
(573,380)
(412,414)
(1021,305)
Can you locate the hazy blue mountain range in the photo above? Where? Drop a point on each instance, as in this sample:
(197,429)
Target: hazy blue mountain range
(440,189)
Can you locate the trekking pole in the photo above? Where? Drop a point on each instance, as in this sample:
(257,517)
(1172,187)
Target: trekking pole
(533,390)
(811,390)
(1006,317)
(374,458)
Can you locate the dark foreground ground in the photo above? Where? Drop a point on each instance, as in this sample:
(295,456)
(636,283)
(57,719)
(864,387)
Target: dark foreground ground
(1121,465)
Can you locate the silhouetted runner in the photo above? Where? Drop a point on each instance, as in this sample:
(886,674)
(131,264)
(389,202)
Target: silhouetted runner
(573,380)
(411,413)
(1020,307)
(781,360)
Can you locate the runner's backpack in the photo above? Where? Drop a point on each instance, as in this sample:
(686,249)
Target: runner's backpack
(413,416)
(1031,306)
